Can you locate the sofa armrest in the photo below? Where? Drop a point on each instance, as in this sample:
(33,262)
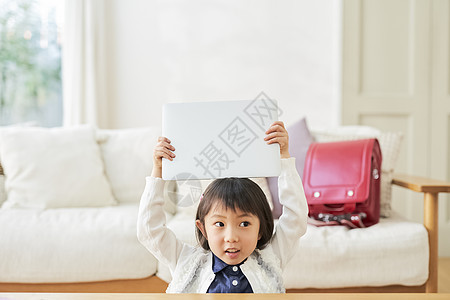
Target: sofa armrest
(421,184)
(431,188)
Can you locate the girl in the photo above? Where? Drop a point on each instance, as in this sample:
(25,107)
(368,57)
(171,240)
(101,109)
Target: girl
(240,252)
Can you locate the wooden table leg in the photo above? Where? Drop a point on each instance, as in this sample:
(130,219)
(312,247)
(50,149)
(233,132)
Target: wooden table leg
(431,224)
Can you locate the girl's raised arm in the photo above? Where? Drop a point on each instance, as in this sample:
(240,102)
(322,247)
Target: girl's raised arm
(292,223)
(152,231)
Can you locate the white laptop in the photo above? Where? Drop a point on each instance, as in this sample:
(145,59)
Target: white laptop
(220,139)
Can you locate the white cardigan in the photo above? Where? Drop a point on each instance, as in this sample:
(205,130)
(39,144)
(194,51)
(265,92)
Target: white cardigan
(191,267)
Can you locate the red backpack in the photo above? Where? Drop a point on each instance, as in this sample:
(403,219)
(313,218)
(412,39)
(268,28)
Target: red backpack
(342,182)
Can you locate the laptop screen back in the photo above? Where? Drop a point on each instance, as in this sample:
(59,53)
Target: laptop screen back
(220,139)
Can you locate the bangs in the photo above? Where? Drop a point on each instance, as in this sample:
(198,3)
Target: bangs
(231,193)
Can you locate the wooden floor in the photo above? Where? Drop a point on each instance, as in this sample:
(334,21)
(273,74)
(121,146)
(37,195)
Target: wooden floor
(444,275)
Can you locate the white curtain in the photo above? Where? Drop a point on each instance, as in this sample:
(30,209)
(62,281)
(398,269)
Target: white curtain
(83,66)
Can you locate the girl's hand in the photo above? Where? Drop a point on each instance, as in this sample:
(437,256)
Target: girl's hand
(278,134)
(162,149)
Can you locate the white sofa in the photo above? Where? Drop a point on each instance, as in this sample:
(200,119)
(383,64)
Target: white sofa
(68,221)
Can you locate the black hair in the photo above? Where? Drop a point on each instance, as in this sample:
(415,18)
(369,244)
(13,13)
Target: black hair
(237,193)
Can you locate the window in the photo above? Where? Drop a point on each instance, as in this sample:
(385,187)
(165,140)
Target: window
(30,62)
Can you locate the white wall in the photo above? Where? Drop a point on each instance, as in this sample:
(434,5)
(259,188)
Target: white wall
(205,50)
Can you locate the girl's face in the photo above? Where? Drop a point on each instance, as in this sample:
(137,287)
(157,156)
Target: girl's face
(232,235)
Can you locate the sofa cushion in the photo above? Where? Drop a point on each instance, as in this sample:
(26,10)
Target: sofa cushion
(53,167)
(2,176)
(394,251)
(72,245)
(390,143)
(128,158)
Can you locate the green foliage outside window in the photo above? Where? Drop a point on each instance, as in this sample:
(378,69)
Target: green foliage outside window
(30,63)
